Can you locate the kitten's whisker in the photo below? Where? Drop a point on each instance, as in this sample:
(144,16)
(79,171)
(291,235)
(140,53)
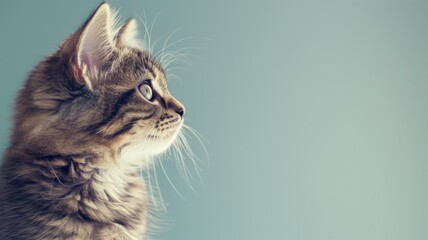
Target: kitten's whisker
(183,144)
(196,167)
(161,205)
(150,186)
(181,40)
(158,187)
(164,45)
(174,54)
(172,76)
(178,161)
(154,46)
(189,152)
(170,182)
(151,28)
(174,57)
(181,158)
(146,38)
(199,137)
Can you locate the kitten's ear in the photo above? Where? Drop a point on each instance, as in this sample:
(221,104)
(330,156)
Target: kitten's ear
(95,44)
(128,35)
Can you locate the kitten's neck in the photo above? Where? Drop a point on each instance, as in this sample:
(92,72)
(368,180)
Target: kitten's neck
(89,186)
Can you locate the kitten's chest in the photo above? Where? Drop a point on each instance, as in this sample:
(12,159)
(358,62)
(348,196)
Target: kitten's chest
(113,201)
(112,197)
(82,201)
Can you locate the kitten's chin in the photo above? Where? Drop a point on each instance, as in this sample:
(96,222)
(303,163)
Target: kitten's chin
(160,141)
(140,152)
(159,144)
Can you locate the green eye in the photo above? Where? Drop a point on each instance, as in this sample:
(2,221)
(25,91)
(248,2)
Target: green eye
(146,91)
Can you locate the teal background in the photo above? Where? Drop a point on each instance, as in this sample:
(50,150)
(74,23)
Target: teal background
(315,112)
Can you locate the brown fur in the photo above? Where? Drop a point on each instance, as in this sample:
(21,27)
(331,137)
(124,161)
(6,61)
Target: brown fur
(63,176)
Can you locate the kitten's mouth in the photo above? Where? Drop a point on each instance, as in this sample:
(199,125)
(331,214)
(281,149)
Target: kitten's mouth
(167,136)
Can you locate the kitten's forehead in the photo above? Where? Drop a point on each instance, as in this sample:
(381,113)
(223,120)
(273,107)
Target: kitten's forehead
(142,66)
(154,72)
(158,79)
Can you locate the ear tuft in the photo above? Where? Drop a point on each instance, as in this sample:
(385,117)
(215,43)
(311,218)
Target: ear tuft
(128,35)
(96,44)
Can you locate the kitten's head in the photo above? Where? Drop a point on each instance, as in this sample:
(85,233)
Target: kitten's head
(98,91)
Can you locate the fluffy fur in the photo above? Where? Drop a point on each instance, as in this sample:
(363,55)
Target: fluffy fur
(81,127)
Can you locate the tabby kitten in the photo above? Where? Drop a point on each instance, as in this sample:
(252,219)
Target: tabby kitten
(85,118)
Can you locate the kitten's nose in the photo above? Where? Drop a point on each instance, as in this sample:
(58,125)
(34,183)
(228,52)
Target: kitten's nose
(176,106)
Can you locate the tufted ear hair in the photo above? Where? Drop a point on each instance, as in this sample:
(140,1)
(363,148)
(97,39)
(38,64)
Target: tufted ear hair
(128,35)
(93,46)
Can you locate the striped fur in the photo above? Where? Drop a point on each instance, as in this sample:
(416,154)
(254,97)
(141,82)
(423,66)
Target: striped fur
(81,127)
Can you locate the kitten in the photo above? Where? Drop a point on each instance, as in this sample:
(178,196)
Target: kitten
(85,118)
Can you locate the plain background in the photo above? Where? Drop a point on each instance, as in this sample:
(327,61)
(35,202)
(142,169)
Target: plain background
(315,112)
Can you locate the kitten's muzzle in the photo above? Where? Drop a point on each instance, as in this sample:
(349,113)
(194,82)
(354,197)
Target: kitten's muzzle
(175,105)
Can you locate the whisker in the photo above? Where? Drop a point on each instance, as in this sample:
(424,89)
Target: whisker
(169,180)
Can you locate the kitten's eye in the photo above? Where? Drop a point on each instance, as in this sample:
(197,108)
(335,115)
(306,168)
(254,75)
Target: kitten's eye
(146,91)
